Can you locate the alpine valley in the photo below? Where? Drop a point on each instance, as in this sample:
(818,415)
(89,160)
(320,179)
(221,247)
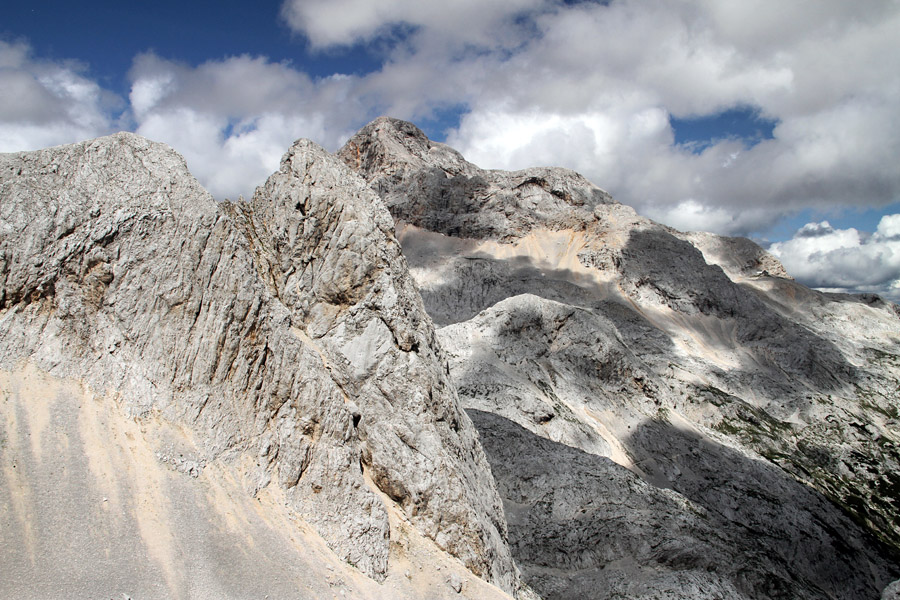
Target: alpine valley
(393,374)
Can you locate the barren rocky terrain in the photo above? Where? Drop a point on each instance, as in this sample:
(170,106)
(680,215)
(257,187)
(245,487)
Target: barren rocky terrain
(592,346)
(392,374)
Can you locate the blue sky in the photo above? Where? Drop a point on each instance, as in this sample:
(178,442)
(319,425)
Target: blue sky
(779,121)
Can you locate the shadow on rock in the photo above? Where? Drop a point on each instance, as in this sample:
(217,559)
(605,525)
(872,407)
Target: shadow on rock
(474,283)
(726,525)
(660,268)
(796,527)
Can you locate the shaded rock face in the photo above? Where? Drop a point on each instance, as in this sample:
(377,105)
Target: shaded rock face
(432,186)
(284,334)
(583,526)
(220,388)
(756,418)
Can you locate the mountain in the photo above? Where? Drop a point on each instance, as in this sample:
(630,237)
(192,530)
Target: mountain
(225,400)
(393,374)
(666,414)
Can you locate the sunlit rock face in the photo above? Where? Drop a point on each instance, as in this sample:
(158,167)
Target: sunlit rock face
(667,414)
(392,374)
(222,400)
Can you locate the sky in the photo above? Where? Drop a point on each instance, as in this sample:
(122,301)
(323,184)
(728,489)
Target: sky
(777,120)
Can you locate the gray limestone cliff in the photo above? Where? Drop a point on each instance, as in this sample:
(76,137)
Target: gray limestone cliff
(393,374)
(667,414)
(277,347)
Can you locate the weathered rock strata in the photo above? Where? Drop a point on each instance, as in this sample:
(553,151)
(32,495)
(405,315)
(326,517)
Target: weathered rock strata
(284,333)
(432,186)
(666,414)
(589,325)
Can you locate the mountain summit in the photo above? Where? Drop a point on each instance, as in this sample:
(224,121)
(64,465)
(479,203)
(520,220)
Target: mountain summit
(394,374)
(682,375)
(274,350)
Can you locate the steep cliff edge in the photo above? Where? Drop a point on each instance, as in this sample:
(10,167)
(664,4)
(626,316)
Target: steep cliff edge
(766,412)
(278,343)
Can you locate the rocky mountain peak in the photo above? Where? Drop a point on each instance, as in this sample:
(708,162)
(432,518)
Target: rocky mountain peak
(430,185)
(393,374)
(632,352)
(391,146)
(276,348)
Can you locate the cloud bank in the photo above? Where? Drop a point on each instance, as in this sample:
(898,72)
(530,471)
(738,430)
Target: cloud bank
(45,103)
(594,87)
(587,85)
(232,119)
(845,260)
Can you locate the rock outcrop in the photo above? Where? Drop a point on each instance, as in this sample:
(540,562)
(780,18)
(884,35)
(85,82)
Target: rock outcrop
(217,400)
(276,345)
(679,384)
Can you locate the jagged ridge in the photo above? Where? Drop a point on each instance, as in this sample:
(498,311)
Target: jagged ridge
(690,359)
(741,428)
(285,334)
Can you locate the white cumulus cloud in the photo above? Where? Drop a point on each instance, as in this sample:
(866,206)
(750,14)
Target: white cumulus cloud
(620,71)
(46,103)
(232,119)
(845,259)
(346,22)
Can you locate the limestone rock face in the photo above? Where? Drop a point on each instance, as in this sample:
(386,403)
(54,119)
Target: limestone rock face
(243,399)
(282,339)
(431,186)
(738,257)
(755,418)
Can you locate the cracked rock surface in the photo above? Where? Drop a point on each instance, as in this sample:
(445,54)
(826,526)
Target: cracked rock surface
(679,384)
(283,336)
(251,398)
